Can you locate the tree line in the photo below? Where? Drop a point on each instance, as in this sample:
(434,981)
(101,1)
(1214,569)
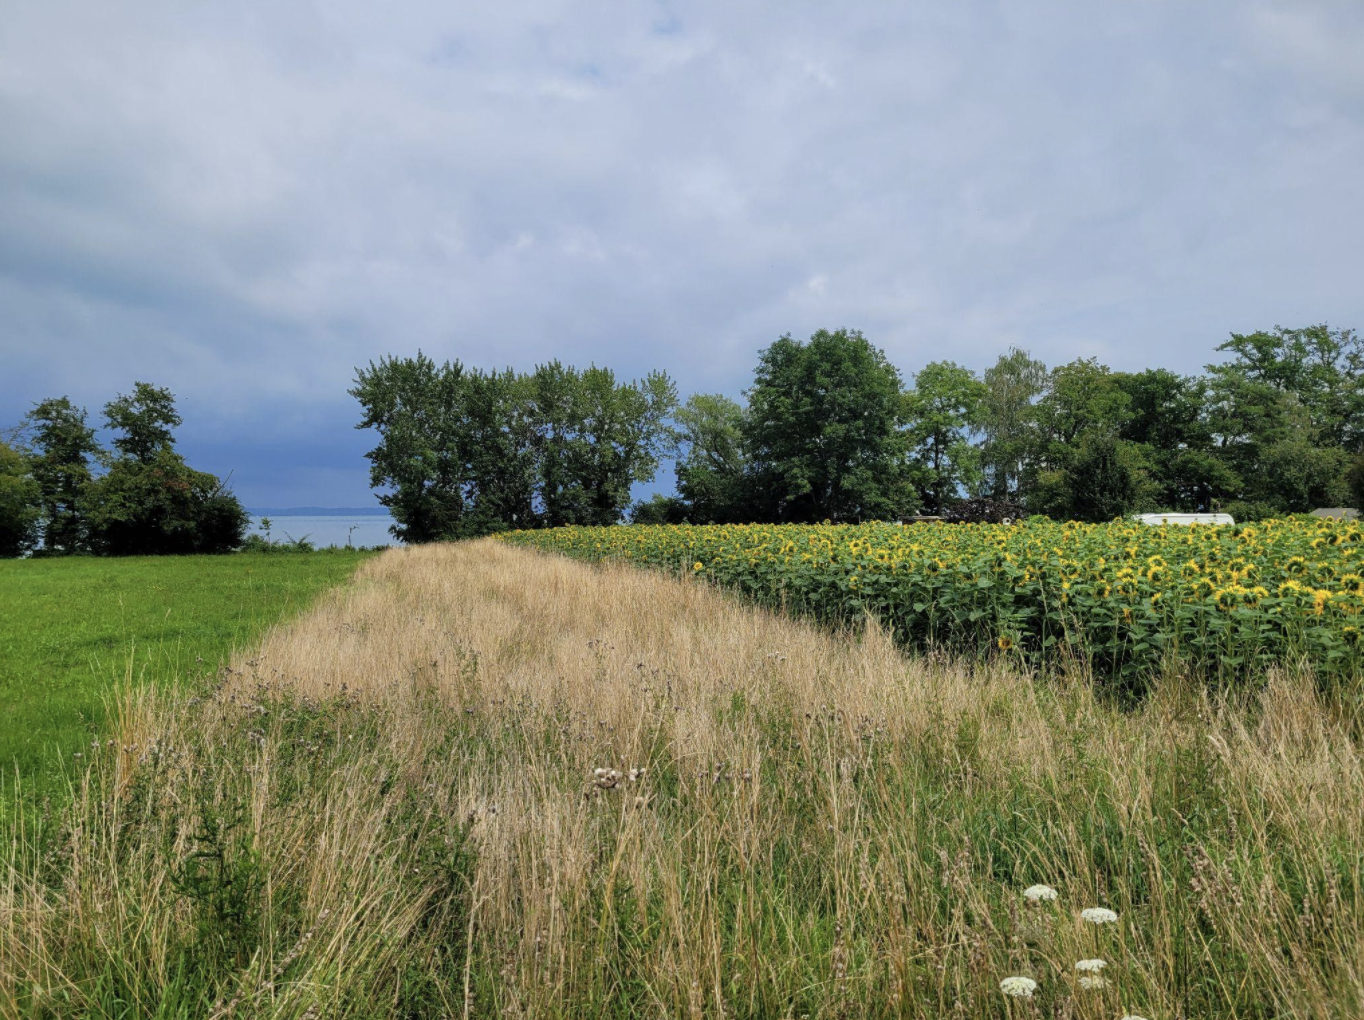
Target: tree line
(61,493)
(830,430)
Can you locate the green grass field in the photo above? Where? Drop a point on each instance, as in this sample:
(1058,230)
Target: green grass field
(72,629)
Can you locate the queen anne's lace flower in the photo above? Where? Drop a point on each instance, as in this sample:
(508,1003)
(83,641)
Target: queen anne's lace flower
(1091,966)
(1018,987)
(1092,982)
(1038,893)
(1131,1016)
(1098,915)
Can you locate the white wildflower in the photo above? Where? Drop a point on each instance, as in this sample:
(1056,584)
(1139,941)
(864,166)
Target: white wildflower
(1018,987)
(1093,982)
(1091,966)
(1040,893)
(1098,915)
(1131,1016)
(606,779)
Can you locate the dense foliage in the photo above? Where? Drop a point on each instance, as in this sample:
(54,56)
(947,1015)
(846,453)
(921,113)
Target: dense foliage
(823,432)
(61,493)
(829,430)
(1274,429)
(464,452)
(19,508)
(1123,598)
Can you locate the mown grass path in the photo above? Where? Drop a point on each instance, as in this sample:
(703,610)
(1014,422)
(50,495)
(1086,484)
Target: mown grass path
(70,629)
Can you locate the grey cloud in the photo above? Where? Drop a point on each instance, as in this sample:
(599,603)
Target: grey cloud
(244,202)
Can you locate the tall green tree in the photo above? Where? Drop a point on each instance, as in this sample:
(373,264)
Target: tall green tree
(150,502)
(825,429)
(942,409)
(65,449)
(1009,428)
(1081,396)
(712,467)
(1320,368)
(1166,418)
(1355,480)
(421,461)
(1104,478)
(144,420)
(1085,469)
(622,431)
(596,438)
(465,452)
(1284,408)
(20,502)
(500,439)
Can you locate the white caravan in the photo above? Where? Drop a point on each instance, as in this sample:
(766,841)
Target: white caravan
(1156,520)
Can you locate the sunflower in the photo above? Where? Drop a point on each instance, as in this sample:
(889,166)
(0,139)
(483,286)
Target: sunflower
(1353,583)
(1004,642)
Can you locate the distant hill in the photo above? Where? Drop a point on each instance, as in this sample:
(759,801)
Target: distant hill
(318,511)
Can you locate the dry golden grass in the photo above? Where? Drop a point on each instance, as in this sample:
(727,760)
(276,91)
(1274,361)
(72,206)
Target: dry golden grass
(395,810)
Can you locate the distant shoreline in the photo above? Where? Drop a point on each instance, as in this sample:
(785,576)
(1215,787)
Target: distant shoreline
(319,511)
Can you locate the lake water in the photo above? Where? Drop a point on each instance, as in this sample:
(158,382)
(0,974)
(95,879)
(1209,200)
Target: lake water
(328,529)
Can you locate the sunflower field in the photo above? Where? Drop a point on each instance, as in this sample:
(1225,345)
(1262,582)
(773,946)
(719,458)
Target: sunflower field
(1122,598)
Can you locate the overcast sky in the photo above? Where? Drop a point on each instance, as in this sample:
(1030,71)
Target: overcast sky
(243,201)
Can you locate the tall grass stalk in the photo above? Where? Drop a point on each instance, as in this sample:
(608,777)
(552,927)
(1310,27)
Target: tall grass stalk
(394,807)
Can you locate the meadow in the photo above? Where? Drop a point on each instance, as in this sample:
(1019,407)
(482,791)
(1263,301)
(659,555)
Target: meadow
(73,630)
(479,780)
(1123,600)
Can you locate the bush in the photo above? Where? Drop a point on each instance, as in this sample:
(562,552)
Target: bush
(659,510)
(161,507)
